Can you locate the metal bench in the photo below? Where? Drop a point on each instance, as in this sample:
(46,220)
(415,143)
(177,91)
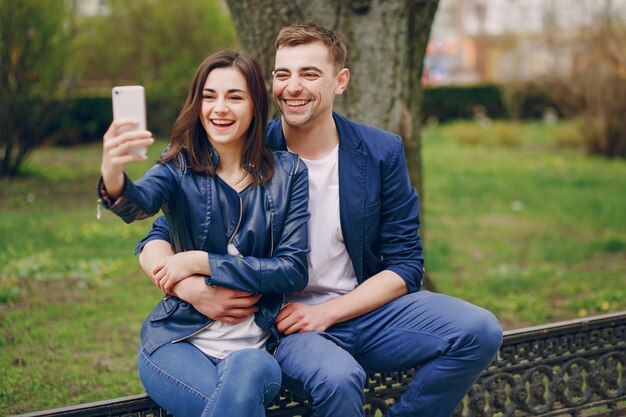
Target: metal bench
(571,368)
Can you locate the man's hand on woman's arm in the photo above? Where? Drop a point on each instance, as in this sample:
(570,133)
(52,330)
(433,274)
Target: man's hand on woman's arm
(219,303)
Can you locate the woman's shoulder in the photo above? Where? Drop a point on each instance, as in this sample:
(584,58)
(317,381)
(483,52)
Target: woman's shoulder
(288,162)
(178,163)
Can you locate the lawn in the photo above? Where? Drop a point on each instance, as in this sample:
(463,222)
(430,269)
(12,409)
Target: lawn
(517,219)
(530,228)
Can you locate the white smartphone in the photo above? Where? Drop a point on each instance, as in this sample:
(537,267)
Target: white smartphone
(129,102)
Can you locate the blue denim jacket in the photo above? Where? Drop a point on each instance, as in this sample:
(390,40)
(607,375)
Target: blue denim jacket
(192,211)
(379,208)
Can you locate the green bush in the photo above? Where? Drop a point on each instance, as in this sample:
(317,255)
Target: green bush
(534,103)
(85,119)
(507,133)
(566,136)
(461,102)
(467,133)
(455,102)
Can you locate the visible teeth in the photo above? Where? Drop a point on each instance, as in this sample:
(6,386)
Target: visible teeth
(223,122)
(296,102)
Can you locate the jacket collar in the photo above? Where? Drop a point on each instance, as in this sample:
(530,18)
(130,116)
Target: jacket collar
(215,158)
(348,135)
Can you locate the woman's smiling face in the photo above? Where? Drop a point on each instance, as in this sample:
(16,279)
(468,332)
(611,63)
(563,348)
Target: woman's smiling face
(226,110)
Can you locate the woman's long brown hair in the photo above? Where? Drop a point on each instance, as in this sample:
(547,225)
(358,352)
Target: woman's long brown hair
(188,132)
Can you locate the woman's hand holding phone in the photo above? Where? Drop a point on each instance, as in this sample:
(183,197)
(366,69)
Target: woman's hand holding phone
(129,102)
(118,148)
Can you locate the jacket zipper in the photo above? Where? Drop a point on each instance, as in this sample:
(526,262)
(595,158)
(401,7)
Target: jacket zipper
(276,347)
(271,236)
(278,340)
(232,237)
(194,333)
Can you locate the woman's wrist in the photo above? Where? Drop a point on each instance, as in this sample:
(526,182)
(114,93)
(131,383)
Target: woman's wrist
(113,185)
(186,288)
(200,262)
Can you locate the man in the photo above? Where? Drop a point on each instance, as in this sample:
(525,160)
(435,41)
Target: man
(363,309)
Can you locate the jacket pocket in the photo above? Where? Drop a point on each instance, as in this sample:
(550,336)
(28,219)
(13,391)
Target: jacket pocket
(371,230)
(166,307)
(371,218)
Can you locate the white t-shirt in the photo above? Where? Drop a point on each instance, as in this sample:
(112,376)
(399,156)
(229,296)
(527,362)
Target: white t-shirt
(221,339)
(330,270)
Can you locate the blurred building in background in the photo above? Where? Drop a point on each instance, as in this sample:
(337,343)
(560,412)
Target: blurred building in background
(502,41)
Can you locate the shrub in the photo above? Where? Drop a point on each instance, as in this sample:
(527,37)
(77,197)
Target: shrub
(507,134)
(566,136)
(458,102)
(467,133)
(85,119)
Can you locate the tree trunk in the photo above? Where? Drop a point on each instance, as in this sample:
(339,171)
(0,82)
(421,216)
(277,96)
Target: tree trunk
(386,41)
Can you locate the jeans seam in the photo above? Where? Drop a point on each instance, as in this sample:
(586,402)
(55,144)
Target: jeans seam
(218,388)
(271,384)
(267,387)
(173,378)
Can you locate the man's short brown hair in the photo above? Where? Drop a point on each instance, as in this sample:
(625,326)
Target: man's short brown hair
(304,33)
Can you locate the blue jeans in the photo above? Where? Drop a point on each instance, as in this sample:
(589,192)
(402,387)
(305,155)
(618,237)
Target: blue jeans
(451,341)
(186,382)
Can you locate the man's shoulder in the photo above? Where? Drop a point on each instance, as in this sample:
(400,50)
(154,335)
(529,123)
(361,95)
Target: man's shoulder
(375,140)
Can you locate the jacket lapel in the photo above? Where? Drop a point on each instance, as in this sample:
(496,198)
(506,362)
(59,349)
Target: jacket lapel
(214,221)
(352,189)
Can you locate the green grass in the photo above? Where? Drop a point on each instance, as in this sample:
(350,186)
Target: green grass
(515,221)
(72,297)
(535,232)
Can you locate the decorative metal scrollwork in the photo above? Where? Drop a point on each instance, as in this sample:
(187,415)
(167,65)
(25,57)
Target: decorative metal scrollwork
(498,390)
(610,377)
(535,384)
(573,383)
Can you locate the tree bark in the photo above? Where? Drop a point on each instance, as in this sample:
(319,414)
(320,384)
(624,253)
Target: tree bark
(386,41)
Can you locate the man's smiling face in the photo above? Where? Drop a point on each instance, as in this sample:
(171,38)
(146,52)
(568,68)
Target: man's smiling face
(304,83)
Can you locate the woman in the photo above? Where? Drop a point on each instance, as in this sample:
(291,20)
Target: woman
(237,216)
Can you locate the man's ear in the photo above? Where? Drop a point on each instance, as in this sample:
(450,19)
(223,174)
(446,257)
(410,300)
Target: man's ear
(343,77)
